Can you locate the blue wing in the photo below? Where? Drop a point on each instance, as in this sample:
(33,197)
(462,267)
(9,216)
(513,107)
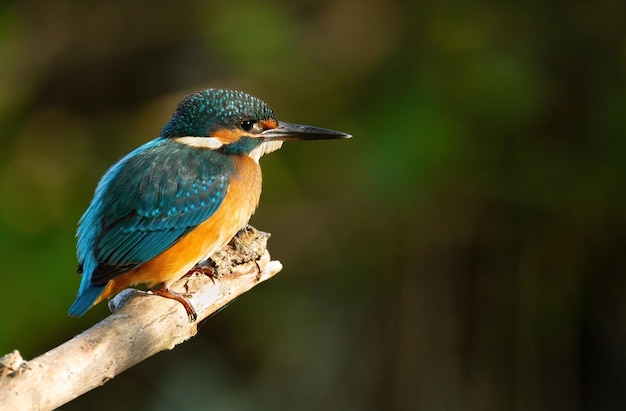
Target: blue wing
(143,205)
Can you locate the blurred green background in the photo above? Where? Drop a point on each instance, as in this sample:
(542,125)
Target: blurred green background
(465,251)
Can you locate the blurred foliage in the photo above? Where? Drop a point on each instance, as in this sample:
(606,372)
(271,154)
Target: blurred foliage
(465,251)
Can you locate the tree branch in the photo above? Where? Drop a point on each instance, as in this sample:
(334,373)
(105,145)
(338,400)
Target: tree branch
(141,325)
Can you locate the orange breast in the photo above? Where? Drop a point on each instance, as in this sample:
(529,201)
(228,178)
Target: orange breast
(209,237)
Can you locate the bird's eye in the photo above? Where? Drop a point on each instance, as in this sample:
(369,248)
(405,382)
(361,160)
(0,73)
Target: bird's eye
(247,125)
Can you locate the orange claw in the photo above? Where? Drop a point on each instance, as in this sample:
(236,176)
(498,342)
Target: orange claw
(168,293)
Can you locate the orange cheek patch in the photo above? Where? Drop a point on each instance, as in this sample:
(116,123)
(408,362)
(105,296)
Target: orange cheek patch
(268,124)
(227,136)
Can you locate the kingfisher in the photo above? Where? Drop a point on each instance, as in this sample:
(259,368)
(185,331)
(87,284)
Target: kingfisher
(181,197)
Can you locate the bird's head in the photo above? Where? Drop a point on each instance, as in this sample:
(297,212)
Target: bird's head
(236,123)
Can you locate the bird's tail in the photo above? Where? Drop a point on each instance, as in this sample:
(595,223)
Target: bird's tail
(85,300)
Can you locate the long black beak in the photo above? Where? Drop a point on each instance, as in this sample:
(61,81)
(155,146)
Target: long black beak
(292,132)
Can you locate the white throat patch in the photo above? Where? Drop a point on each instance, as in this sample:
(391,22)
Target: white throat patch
(264,148)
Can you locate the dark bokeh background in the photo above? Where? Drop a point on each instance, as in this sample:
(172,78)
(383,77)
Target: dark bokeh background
(465,251)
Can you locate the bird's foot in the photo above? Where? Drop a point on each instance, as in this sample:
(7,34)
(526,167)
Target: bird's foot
(168,293)
(206,270)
